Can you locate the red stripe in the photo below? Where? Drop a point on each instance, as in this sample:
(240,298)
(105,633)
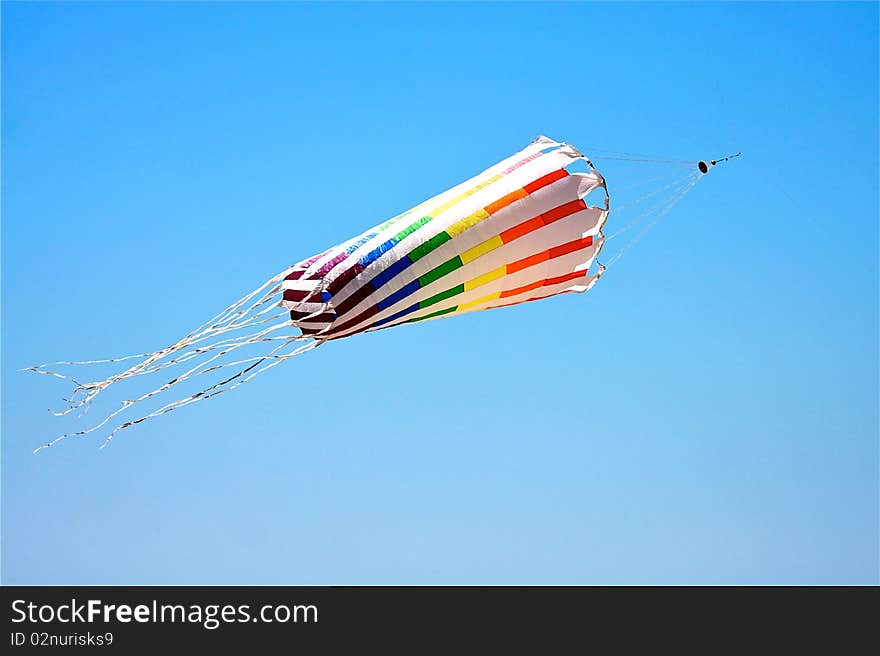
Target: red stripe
(545,180)
(326,317)
(345,277)
(541,220)
(571,247)
(541,283)
(366,314)
(523,228)
(565,277)
(543,256)
(302,294)
(359,295)
(530,188)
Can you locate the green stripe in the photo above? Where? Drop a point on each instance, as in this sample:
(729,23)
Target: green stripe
(436,298)
(420,251)
(440,271)
(392,221)
(434,314)
(411,228)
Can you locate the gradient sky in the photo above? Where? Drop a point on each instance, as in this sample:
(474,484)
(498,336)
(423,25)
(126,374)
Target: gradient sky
(707,414)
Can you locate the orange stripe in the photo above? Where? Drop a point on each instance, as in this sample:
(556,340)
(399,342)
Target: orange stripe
(504,201)
(530,188)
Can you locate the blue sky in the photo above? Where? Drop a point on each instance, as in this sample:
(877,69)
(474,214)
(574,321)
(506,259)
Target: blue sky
(707,414)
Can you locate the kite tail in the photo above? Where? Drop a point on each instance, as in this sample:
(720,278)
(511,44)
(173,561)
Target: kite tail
(252,320)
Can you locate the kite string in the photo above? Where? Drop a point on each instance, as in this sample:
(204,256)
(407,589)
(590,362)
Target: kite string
(619,155)
(647,181)
(666,207)
(662,211)
(676,186)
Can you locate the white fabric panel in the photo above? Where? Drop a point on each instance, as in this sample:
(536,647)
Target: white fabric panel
(308,306)
(303,285)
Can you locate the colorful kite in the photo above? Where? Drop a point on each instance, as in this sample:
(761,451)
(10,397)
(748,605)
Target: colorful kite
(519,231)
(522,230)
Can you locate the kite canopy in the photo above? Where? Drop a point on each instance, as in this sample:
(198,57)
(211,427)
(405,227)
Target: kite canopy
(519,231)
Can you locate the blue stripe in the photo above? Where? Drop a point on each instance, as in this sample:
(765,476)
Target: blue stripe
(402,313)
(376,253)
(384,276)
(399,295)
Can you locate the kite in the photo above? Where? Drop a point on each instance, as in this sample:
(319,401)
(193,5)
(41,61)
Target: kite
(527,228)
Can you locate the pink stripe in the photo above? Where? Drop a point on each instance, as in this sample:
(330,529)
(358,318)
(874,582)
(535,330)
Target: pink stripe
(522,163)
(325,268)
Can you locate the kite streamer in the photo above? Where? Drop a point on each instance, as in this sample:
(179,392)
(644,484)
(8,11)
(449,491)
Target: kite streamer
(525,229)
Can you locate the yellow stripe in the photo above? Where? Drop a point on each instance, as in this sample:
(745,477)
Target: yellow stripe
(470,192)
(460,226)
(481,249)
(486,278)
(490,297)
